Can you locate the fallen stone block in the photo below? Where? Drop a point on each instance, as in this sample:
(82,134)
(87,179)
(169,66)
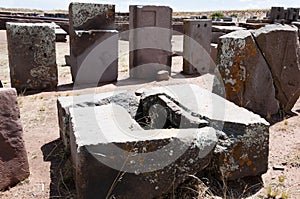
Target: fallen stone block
(243,145)
(246,75)
(114,157)
(162,75)
(122,98)
(32,56)
(279,45)
(14,166)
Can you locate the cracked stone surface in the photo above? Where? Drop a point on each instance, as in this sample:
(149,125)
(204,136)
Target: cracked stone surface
(280,46)
(246,75)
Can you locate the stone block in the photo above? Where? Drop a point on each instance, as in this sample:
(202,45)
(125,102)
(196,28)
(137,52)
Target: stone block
(279,45)
(94,56)
(243,145)
(114,157)
(32,56)
(196,46)
(122,98)
(93,43)
(91,16)
(14,166)
(292,14)
(149,40)
(277,13)
(246,75)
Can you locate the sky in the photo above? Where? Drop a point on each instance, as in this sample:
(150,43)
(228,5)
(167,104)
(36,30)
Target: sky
(177,5)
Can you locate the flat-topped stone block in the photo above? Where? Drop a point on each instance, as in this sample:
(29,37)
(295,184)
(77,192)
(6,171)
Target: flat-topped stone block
(32,56)
(105,141)
(14,166)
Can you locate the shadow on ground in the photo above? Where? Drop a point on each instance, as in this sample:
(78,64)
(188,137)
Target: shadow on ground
(61,172)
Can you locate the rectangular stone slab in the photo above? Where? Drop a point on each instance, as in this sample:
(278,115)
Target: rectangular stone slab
(32,56)
(196,46)
(14,166)
(103,136)
(149,40)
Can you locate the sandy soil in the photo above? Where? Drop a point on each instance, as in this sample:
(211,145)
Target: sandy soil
(41,135)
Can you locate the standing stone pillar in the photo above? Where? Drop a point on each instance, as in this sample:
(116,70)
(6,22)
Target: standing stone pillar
(93,43)
(196,46)
(32,56)
(13,157)
(149,40)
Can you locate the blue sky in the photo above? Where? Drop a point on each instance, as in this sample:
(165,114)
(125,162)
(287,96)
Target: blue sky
(177,5)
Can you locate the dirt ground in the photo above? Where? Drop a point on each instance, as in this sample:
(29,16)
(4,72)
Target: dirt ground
(41,134)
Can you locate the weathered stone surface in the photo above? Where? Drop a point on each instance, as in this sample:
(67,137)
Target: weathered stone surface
(196,46)
(13,157)
(242,149)
(162,75)
(150,36)
(32,56)
(122,98)
(91,16)
(94,56)
(152,162)
(93,43)
(279,45)
(246,75)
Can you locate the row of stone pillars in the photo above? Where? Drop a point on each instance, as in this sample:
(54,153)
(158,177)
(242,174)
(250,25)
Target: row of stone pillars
(94,46)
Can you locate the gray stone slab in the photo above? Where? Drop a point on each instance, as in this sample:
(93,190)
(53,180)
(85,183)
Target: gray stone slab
(94,56)
(32,56)
(196,46)
(106,142)
(280,45)
(14,166)
(149,41)
(246,75)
